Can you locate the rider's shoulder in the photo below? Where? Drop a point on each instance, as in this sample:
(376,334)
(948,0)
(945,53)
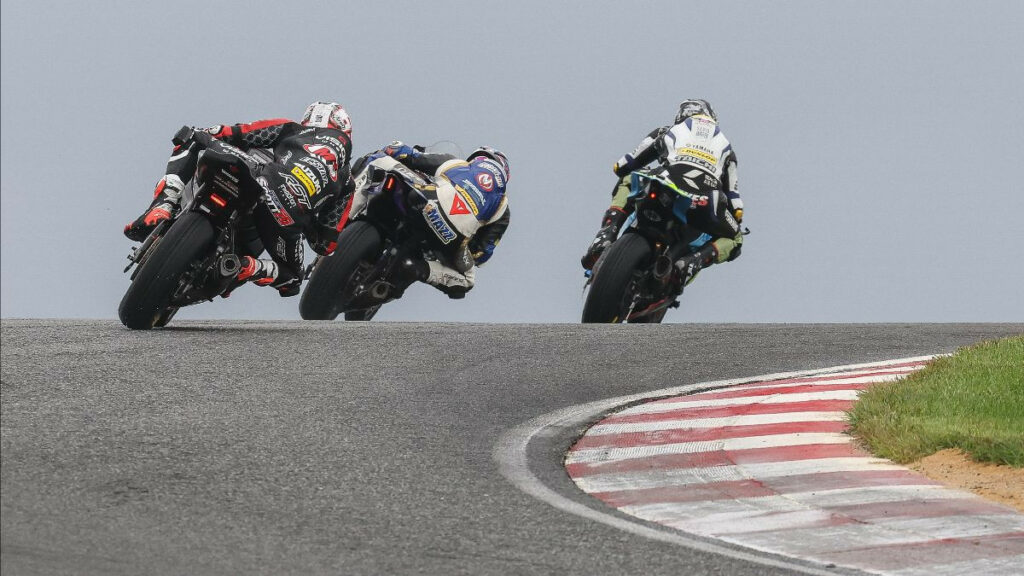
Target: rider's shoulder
(451,163)
(659,131)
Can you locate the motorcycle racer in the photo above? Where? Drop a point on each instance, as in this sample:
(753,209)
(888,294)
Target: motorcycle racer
(694,140)
(306,177)
(480,182)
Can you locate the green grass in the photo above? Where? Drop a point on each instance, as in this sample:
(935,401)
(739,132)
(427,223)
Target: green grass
(973,400)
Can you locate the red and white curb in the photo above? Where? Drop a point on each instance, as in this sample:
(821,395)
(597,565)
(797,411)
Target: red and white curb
(766,465)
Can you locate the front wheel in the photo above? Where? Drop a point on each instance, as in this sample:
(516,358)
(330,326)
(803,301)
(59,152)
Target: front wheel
(359,242)
(147,303)
(612,290)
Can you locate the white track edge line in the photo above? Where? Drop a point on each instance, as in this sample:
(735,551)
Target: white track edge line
(510,455)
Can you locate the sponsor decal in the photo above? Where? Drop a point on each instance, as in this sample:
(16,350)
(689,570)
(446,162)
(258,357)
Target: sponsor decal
(220,182)
(316,165)
(458,206)
(281,247)
(699,200)
(731,221)
(312,177)
(236,153)
(331,140)
(229,175)
(326,156)
(699,153)
(485,181)
(698,162)
(710,181)
(336,146)
(282,217)
(468,200)
(306,179)
(472,191)
(494,169)
(437,223)
(287,157)
(295,190)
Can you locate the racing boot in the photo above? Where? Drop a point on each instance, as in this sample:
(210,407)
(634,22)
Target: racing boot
(166,199)
(688,266)
(449,280)
(610,224)
(258,271)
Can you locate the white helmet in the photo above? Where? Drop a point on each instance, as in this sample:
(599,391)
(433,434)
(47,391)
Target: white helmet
(328,115)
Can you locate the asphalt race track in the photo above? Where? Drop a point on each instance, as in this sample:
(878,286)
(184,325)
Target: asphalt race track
(304,448)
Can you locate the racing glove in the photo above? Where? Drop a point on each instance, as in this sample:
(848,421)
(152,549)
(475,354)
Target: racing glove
(400,151)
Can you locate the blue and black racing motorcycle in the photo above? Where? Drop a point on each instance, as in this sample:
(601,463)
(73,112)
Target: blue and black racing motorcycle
(635,279)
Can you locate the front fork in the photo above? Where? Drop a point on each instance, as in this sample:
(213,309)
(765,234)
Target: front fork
(139,252)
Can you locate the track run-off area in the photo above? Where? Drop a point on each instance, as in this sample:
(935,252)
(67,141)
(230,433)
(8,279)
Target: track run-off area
(378,448)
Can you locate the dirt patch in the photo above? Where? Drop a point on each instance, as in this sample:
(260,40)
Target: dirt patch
(952,467)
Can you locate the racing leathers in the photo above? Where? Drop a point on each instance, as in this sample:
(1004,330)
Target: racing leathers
(304,175)
(695,143)
(479,186)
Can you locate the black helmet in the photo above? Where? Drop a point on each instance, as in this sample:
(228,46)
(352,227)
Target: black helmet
(695,107)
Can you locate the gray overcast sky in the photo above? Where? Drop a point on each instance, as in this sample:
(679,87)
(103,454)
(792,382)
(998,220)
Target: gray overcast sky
(880,143)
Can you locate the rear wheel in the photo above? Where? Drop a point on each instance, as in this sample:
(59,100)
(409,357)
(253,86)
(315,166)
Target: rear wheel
(359,242)
(146,304)
(611,292)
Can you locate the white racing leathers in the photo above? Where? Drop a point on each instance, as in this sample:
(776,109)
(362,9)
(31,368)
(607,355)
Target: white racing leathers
(697,141)
(695,150)
(469,197)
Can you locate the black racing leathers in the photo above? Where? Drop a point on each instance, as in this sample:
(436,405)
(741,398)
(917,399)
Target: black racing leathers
(305,180)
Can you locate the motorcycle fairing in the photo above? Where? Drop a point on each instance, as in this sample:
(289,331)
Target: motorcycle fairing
(640,182)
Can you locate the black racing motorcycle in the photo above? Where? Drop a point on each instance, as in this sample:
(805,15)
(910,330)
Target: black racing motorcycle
(635,279)
(194,256)
(393,215)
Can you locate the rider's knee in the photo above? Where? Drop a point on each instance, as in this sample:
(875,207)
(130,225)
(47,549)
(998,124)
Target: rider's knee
(727,249)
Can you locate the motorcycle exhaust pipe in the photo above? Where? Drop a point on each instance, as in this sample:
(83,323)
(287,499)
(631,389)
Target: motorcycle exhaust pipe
(230,265)
(663,267)
(380,290)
